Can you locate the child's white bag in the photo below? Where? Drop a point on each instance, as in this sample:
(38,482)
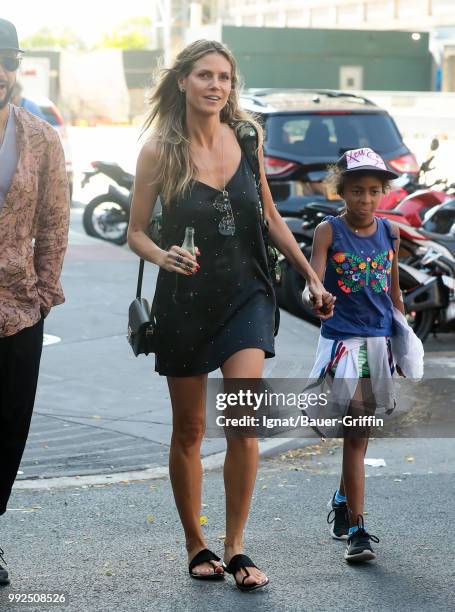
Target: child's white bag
(407,348)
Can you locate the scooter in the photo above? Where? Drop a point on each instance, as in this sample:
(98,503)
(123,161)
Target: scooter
(428,285)
(414,206)
(412,196)
(107,216)
(409,182)
(439,225)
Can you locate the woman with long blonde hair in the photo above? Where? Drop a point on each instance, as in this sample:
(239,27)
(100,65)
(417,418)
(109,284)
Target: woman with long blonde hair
(192,159)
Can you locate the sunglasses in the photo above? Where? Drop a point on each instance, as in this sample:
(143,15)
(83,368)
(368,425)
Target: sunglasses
(9,63)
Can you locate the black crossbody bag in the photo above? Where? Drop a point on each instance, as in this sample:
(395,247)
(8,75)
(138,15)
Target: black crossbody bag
(141,321)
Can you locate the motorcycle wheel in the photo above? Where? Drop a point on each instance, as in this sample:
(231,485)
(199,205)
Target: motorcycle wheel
(422,322)
(293,286)
(106,217)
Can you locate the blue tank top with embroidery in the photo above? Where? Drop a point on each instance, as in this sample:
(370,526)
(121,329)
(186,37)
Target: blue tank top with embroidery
(359,274)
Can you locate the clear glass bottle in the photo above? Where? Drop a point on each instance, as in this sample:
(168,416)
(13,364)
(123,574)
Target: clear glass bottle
(184,284)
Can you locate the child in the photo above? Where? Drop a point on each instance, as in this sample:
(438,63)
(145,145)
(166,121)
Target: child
(355,255)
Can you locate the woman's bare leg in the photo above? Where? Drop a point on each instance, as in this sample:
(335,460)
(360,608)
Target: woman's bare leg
(240,467)
(188,397)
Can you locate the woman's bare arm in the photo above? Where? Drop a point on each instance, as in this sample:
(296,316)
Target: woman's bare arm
(322,239)
(145,195)
(282,237)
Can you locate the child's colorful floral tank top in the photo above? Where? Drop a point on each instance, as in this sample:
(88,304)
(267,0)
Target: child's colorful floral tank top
(359,274)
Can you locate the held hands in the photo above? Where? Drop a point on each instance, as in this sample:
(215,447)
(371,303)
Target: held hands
(321,301)
(179,260)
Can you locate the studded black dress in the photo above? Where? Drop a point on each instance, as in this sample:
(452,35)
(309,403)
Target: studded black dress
(233,301)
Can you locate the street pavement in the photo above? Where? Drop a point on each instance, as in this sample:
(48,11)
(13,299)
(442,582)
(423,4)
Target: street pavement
(120,547)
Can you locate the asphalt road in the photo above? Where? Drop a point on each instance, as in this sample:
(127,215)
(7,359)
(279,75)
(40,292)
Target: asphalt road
(120,547)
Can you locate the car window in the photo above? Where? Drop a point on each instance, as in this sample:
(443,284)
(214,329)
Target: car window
(295,130)
(331,135)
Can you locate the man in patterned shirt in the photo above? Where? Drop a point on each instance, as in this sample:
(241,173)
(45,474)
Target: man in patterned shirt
(34,216)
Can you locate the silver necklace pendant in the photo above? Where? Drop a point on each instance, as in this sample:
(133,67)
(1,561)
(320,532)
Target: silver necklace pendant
(222,203)
(356,230)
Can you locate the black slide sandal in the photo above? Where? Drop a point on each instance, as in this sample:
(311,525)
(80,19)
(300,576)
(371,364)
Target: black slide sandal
(242,562)
(205,555)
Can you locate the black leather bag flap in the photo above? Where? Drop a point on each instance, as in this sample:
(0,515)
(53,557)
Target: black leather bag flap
(141,327)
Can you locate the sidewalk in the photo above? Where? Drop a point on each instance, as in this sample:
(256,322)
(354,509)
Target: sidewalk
(120,547)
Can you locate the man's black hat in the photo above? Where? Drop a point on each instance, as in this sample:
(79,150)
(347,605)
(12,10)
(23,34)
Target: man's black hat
(8,37)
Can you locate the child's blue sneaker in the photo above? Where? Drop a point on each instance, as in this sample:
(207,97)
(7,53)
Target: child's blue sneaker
(359,547)
(338,519)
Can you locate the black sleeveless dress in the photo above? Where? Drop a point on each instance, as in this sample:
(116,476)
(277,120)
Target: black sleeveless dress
(233,300)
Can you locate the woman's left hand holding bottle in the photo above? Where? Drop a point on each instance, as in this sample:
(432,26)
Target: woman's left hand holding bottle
(179,260)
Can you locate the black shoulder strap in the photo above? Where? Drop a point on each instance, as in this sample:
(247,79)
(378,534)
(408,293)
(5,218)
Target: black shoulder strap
(249,143)
(139,279)
(139,289)
(248,140)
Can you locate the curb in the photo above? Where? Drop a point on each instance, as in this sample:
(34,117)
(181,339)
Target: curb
(212,462)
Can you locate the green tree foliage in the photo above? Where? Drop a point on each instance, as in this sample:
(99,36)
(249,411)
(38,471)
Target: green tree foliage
(45,38)
(135,33)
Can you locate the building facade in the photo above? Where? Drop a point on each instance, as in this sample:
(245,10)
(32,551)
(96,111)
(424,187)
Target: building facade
(436,17)
(363,14)
(335,59)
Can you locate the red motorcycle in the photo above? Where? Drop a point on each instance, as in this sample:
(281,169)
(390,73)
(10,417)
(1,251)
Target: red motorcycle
(415,206)
(412,196)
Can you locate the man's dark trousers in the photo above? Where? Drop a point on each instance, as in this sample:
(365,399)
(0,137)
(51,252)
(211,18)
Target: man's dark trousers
(20,356)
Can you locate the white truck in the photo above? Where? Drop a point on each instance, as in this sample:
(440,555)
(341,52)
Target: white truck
(34,76)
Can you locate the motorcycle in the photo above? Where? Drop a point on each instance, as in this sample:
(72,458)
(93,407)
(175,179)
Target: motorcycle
(409,182)
(439,225)
(428,287)
(107,216)
(426,292)
(412,195)
(427,272)
(415,206)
